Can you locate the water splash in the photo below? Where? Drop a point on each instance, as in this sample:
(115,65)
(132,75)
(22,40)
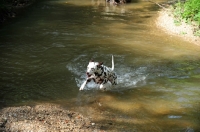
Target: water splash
(127,77)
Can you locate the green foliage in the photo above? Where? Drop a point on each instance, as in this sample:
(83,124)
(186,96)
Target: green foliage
(192,10)
(177,22)
(188,11)
(197,33)
(183,33)
(178,10)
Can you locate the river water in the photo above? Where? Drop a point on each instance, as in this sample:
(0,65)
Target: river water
(44,53)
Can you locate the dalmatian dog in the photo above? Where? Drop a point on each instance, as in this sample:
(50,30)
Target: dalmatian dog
(100,74)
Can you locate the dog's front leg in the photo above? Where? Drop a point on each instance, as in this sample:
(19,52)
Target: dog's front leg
(84,83)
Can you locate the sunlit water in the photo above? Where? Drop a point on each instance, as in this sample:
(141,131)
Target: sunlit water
(45,52)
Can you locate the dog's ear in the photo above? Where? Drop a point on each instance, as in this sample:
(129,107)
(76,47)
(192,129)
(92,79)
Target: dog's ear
(91,60)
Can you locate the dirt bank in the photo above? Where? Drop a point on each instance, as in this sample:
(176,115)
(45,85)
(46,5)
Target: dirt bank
(165,21)
(43,118)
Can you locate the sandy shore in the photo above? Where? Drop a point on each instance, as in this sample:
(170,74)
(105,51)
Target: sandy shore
(44,118)
(165,21)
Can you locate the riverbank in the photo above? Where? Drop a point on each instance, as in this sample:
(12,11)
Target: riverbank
(44,117)
(165,21)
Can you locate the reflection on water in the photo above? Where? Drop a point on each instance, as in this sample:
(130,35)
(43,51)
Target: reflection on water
(45,52)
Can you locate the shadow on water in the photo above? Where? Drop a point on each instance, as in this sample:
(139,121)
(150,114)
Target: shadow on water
(147,111)
(167,104)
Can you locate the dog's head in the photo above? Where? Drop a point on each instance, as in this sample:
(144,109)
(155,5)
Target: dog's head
(93,67)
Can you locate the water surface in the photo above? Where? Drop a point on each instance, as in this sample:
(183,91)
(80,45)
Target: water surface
(45,52)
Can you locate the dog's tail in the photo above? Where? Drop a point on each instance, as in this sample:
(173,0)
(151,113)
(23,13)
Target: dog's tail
(112,63)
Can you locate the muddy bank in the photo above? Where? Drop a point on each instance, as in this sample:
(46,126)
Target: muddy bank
(45,117)
(165,21)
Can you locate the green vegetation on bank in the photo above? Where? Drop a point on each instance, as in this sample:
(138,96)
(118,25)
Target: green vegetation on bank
(188,11)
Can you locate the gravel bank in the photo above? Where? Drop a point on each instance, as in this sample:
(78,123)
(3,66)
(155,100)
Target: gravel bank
(43,118)
(165,21)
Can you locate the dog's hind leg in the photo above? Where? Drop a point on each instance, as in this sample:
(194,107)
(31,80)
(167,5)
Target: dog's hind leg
(105,86)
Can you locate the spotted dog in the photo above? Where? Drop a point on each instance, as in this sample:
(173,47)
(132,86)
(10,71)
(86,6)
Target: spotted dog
(100,74)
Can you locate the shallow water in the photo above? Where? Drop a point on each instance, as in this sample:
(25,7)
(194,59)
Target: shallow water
(45,52)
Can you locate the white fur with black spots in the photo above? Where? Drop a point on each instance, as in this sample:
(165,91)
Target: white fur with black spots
(100,74)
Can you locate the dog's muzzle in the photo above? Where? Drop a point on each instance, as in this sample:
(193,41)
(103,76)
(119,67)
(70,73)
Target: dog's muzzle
(88,74)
